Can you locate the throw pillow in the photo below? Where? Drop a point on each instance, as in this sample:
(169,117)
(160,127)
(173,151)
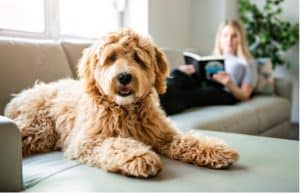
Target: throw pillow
(265,82)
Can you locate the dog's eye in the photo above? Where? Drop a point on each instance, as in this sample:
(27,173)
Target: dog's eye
(112,58)
(138,60)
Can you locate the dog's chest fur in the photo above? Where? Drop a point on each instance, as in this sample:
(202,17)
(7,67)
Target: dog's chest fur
(120,121)
(105,119)
(111,120)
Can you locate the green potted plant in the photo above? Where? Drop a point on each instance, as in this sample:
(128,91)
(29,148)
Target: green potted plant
(267,33)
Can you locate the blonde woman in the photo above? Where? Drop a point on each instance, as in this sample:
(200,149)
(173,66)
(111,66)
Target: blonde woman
(237,81)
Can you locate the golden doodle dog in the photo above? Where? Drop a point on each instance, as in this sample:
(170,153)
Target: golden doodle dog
(111,118)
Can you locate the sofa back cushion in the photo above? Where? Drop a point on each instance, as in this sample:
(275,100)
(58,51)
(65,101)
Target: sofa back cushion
(24,61)
(175,57)
(73,51)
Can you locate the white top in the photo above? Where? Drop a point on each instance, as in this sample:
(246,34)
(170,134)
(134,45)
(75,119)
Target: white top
(240,72)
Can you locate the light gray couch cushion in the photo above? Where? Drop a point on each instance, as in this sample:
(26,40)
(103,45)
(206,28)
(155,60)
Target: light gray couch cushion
(266,164)
(25,61)
(41,166)
(251,117)
(279,130)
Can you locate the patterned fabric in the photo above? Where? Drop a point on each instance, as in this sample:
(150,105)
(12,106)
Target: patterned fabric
(265,83)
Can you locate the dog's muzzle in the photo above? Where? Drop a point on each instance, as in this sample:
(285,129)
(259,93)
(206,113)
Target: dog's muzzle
(124,79)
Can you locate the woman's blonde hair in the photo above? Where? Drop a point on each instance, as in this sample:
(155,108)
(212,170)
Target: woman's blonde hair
(242,49)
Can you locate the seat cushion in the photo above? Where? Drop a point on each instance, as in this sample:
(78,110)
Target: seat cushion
(266,164)
(24,61)
(41,166)
(252,117)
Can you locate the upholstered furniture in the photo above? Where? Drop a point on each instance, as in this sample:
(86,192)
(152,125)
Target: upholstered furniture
(266,164)
(24,61)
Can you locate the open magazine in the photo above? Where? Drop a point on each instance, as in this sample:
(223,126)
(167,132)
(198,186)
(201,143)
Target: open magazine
(206,66)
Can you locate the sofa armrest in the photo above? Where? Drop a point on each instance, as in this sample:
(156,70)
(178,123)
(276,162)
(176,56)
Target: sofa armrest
(283,87)
(11,156)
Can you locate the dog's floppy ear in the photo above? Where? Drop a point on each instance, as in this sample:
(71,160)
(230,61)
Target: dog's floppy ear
(86,64)
(86,68)
(161,71)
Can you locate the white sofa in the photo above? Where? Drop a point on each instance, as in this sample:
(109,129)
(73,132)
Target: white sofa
(265,163)
(25,61)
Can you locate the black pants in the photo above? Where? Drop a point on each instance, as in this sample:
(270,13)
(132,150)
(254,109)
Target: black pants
(185,91)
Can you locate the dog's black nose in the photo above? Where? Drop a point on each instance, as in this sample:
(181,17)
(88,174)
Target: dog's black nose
(124,78)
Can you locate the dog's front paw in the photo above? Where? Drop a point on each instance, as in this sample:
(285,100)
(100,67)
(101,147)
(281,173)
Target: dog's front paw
(218,157)
(201,151)
(146,165)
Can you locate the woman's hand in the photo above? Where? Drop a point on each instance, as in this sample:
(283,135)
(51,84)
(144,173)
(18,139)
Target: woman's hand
(187,69)
(223,78)
(242,93)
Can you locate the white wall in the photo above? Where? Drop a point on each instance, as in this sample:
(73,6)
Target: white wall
(206,16)
(188,23)
(169,22)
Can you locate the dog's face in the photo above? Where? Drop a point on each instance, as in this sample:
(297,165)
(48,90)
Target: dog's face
(124,67)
